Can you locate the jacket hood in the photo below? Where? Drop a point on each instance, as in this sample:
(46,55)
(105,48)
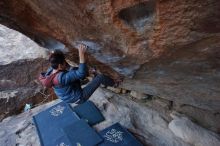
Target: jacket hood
(48,79)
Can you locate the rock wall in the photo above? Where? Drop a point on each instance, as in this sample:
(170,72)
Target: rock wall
(21,62)
(167,50)
(19,85)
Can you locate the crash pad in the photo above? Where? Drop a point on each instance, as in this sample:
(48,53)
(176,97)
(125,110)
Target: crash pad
(89,112)
(117,135)
(81,134)
(49,124)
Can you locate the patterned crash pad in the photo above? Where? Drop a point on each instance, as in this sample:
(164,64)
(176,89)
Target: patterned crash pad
(81,134)
(49,124)
(89,112)
(116,135)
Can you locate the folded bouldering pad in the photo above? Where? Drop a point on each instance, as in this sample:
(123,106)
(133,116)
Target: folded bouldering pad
(116,135)
(81,134)
(89,112)
(49,124)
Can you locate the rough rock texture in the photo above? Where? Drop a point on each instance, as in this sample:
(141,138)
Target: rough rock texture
(205,118)
(14,46)
(169,47)
(21,62)
(188,131)
(19,85)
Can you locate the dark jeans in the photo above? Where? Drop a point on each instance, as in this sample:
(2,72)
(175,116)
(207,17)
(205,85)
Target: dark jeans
(93,85)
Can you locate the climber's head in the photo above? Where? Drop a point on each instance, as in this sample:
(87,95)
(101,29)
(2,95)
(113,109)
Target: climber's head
(57,60)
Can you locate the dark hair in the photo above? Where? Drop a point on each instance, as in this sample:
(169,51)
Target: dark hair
(56,57)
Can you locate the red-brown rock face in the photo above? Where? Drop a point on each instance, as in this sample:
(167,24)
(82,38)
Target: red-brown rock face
(168,48)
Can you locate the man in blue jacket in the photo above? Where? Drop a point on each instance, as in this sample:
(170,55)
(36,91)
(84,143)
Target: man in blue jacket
(66,81)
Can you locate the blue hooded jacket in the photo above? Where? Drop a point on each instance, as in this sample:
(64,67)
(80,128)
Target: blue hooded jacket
(69,88)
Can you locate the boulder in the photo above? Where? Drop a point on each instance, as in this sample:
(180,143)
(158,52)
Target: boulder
(193,134)
(22,60)
(167,48)
(138,95)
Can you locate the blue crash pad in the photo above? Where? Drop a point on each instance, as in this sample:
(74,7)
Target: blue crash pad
(116,135)
(81,134)
(49,124)
(89,112)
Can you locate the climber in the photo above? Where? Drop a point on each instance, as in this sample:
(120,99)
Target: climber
(65,80)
